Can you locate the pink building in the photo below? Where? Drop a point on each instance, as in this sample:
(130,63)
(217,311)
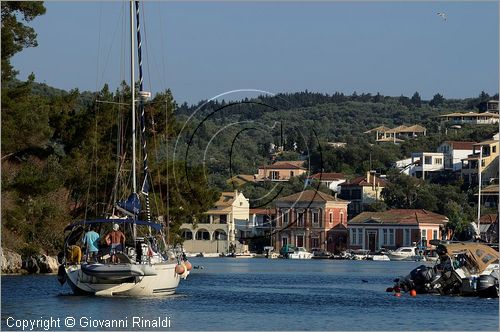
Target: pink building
(306,219)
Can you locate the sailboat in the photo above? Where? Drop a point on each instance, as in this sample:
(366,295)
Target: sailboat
(141,268)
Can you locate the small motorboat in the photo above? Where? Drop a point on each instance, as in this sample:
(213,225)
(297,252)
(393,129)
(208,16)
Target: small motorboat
(405,254)
(463,268)
(300,253)
(321,254)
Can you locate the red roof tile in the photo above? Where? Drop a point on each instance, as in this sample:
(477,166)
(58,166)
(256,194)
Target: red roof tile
(328,176)
(399,216)
(310,195)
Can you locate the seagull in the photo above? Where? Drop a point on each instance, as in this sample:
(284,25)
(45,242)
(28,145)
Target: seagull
(443,15)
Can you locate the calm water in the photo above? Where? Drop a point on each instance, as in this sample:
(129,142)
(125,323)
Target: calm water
(260,294)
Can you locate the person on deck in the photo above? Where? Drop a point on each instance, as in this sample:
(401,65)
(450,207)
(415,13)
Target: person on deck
(117,241)
(90,241)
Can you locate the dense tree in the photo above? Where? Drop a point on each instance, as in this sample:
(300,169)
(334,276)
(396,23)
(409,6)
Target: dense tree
(437,100)
(16,35)
(416,100)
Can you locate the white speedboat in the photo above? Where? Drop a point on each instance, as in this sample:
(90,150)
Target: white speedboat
(300,253)
(405,254)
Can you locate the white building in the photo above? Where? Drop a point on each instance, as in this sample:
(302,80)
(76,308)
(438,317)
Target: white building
(424,163)
(454,152)
(330,180)
(221,227)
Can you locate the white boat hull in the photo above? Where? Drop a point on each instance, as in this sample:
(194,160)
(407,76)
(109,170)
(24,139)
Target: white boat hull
(164,282)
(300,255)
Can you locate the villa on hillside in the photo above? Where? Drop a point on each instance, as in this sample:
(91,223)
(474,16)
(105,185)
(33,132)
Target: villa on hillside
(397,134)
(311,219)
(489,162)
(395,228)
(221,226)
(470,118)
(361,192)
(280,171)
(454,152)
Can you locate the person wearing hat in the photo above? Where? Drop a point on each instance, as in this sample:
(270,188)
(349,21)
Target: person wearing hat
(117,241)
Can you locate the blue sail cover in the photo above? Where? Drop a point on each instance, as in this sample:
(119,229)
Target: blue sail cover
(132,204)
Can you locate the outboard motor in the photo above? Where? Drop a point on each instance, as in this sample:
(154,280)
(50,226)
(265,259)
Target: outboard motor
(487,286)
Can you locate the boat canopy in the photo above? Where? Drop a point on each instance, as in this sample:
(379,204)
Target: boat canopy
(113,221)
(480,254)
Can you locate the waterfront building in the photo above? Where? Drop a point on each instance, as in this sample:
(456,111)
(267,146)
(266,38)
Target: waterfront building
(395,228)
(221,227)
(306,219)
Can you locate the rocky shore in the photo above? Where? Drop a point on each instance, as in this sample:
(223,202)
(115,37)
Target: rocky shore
(12,263)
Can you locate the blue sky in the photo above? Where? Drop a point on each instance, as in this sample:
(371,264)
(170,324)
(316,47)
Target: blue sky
(200,50)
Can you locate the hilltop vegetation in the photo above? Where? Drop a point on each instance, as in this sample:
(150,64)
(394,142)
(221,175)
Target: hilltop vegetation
(60,156)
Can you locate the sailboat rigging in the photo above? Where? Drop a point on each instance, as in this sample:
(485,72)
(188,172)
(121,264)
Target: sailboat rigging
(143,268)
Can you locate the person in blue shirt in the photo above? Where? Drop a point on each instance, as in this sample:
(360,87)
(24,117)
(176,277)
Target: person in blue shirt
(91,243)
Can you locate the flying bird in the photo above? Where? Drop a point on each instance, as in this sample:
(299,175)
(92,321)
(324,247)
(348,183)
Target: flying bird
(443,15)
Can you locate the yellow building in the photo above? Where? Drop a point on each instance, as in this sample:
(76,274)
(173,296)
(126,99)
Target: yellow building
(221,226)
(489,162)
(280,171)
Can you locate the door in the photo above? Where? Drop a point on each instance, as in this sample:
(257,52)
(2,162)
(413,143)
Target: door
(300,240)
(372,242)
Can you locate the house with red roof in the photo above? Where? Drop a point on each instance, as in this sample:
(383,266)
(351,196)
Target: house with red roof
(362,191)
(311,219)
(280,171)
(395,228)
(454,152)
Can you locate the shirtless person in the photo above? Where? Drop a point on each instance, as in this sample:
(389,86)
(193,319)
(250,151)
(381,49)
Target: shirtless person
(117,241)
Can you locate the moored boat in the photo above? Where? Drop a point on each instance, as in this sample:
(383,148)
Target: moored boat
(405,254)
(463,268)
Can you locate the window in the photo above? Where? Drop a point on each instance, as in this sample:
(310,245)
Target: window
(187,234)
(341,218)
(428,160)
(285,217)
(202,234)
(494,149)
(331,218)
(439,161)
(300,240)
(291,173)
(434,234)
(384,236)
(406,237)
(315,218)
(300,219)
(391,237)
(275,175)
(284,241)
(356,235)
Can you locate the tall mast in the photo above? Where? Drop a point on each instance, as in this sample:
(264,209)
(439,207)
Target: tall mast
(132,87)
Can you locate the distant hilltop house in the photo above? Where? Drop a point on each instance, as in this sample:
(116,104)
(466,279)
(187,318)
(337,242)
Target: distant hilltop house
(471,118)
(397,134)
(489,162)
(311,219)
(395,228)
(362,191)
(221,226)
(448,157)
(330,180)
(280,171)
(240,180)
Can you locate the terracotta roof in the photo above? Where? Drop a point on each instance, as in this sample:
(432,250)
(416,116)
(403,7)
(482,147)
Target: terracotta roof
(397,129)
(398,217)
(285,165)
(414,129)
(488,218)
(379,128)
(488,142)
(361,181)
(226,199)
(328,176)
(460,145)
(310,195)
(263,211)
